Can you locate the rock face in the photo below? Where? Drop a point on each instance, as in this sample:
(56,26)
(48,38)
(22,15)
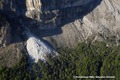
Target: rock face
(101,24)
(78,20)
(38,49)
(5,32)
(53,13)
(67,22)
(33,9)
(10,54)
(60,22)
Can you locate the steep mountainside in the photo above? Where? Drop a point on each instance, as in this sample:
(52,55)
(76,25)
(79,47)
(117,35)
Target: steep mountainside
(5,31)
(62,23)
(69,21)
(100,24)
(10,54)
(59,39)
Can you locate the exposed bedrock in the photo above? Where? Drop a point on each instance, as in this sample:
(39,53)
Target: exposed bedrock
(67,22)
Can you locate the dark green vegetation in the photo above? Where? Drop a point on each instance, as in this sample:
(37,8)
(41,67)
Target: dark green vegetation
(83,60)
(18,72)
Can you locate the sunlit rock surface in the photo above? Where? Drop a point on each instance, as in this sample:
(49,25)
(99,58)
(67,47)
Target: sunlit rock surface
(100,24)
(75,20)
(38,49)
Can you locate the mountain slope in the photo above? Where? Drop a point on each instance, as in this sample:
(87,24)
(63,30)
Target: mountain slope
(101,24)
(86,33)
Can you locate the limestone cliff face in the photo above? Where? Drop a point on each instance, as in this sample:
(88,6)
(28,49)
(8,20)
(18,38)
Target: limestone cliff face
(48,5)
(50,13)
(60,22)
(70,21)
(10,54)
(102,24)
(37,7)
(79,20)
(33,9)
(5,32)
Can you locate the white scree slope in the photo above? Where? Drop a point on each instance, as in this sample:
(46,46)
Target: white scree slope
(37,49)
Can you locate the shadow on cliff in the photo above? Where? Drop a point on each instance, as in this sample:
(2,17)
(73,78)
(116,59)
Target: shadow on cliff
(65,16)
(13,9)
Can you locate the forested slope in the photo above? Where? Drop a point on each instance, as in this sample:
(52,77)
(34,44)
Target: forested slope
(84,60)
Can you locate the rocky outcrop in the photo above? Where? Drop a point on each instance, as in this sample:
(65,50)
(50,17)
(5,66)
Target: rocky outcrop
(53,13)
(5,32)
(78,21)
(47,7)
(70,21)
(60,22)
(101,24)
(33,9)
(11,55)
(38,49)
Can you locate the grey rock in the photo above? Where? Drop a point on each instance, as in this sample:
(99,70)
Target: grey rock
(5,32)
(68,22)
(77,23)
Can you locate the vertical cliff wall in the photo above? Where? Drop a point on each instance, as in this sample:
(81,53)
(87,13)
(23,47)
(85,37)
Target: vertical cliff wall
(101,23)
(67,22)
